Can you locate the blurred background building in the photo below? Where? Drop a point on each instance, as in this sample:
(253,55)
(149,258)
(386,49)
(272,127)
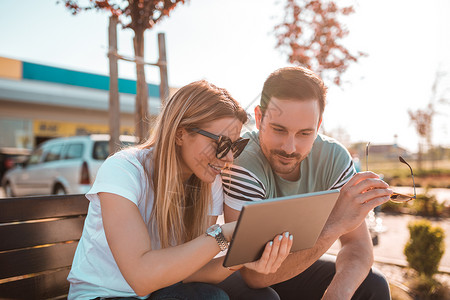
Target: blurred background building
(39,102)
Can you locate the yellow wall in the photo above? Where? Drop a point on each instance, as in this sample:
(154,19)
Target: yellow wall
(59,129)
(10,68)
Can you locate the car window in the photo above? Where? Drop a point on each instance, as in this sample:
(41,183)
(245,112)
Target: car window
(74,151)
(35,157)
(101,150)
(54,153)
(127,144)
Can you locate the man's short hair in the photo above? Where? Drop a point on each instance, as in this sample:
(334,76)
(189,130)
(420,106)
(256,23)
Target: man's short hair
(296,83)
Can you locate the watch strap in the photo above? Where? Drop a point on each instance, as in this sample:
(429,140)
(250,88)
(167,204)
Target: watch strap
(221,241)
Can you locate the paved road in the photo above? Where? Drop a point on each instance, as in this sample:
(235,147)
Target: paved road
(392,241)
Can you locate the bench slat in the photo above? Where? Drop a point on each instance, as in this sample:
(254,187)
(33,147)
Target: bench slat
(36,260)
(54,224)
(43,286)
(29,208)
(22,235)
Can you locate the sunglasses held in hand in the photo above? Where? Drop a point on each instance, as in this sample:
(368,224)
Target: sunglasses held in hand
(224,143)
(396,197)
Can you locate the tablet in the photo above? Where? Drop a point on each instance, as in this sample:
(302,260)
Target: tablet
(304,216)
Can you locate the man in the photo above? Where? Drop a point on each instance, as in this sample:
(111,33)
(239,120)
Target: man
(288,156)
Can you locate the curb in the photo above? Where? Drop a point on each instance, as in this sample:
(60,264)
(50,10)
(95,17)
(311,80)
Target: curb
(393,261)
(403,263)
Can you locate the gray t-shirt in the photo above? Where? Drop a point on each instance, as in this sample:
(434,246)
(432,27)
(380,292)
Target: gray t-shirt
(328,166)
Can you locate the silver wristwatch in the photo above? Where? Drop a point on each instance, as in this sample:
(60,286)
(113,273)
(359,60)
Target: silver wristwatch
(216,232)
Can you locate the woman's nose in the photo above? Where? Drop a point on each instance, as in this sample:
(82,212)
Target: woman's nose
(229,157)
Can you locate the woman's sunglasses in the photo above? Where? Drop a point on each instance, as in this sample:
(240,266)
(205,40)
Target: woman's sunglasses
(396,197)
(224,143)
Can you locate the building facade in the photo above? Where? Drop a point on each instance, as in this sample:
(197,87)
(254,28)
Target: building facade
(39,102)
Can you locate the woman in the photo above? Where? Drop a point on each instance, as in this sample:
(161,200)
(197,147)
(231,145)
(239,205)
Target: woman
(151,205)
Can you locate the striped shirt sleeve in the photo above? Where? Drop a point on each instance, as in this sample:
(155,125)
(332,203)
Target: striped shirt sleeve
(241,185)
(346,174)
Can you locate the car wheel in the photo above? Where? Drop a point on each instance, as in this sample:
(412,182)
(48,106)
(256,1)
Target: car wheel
(8,190)
(59,190)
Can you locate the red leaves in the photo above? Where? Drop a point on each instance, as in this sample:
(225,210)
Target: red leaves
(310,34)
(146,13)
(140,14)
(422,120)
(102,4)
(72,6)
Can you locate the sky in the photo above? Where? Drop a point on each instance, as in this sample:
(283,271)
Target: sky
(231,44)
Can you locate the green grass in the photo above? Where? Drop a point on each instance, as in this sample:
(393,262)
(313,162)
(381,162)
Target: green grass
(434,174)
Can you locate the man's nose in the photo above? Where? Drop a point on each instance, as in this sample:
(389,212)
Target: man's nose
(288,145)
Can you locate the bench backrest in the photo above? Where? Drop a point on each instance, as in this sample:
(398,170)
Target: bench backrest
(38,238)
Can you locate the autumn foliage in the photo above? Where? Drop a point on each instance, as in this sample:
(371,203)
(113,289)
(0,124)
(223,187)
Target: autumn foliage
(311,34)
(134,14)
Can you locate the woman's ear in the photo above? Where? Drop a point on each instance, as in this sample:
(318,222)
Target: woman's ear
(179,136)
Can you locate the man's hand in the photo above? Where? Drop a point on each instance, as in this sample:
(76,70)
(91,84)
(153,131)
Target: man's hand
(358,196)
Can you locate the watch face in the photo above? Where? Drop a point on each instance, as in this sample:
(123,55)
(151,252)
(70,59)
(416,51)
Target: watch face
(213,230)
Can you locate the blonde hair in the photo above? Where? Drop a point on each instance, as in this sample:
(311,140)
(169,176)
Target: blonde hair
(181,209)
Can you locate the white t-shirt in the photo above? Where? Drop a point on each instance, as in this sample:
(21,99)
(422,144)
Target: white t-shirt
(94,271)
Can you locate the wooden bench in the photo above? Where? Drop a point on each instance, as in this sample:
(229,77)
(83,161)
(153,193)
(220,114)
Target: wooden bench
(38,238)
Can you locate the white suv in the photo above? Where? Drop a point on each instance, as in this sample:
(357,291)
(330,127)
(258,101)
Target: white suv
(61,166)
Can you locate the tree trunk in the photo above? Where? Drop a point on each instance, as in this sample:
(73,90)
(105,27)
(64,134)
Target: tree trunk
(164,85)
(141,113)
(114,111)
(419,157)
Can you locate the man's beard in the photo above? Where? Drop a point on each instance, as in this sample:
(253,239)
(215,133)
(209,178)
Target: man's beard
(284,154)
(280,167)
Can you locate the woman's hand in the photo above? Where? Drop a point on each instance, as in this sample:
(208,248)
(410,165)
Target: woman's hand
(275,252)
(273,256)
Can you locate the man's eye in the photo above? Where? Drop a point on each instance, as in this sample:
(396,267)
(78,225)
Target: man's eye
(278,129)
